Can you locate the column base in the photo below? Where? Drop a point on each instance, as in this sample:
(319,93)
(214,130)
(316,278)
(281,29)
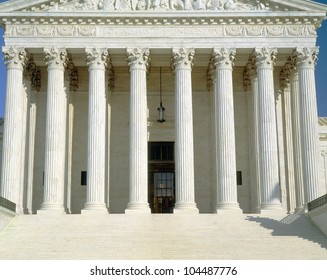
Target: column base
(272,209)
(51,209)
(299,210)
(230,207)
(138,208)
(186,208)
(94,208)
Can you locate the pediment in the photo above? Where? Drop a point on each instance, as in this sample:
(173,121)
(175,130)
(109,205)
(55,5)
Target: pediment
(161,5)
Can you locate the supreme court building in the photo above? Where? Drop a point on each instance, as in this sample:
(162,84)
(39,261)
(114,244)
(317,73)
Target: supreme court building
(161,106)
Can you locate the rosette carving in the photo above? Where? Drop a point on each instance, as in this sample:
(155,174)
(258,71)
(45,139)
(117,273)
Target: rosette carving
(183,57)
(55,57)
(15,56)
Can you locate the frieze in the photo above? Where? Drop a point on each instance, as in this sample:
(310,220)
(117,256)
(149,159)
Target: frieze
(270,31)
(21,30)
(50,31)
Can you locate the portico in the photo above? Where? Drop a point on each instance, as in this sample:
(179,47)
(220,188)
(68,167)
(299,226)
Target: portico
(96,86)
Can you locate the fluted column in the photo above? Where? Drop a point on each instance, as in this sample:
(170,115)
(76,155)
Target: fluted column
(11,181)
(225,133)
(96,156)
(184,163)
(305,62)
(252,80)
(138,61)
(268,149)
(296,131)
(55,139)
(35,85)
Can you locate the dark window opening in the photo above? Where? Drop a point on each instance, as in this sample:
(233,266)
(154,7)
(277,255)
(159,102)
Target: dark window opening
(239,178)
(161,151)
(83,178)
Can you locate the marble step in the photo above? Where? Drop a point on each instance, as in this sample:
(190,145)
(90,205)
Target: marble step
(204,236)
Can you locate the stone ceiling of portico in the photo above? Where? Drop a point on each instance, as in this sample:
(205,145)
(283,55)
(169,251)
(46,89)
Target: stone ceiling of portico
(161,5)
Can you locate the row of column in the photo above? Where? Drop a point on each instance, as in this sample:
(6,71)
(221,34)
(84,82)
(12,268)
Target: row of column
(265,136)
(303,124)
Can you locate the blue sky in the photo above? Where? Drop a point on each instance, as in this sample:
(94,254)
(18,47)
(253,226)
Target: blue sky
(321,70)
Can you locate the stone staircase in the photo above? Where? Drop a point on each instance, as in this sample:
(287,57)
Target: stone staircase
(203,236)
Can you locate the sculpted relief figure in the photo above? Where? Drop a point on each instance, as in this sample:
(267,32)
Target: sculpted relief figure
(166,5)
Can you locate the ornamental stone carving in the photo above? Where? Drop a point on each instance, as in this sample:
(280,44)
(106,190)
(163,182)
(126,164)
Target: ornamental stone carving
(35,74)
(73,75)
(249,73)
(211,75)
(285,74)
(183,57)
(307,57)
(223,58)
(111,75)
(159,5)
(15,57)
(265,57)
(96,57)
(55,57)
(138,57)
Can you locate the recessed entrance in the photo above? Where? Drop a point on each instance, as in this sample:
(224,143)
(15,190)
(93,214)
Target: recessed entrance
(161,177)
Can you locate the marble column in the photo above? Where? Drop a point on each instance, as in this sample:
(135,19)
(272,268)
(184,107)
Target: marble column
(268,148)
(252,80)
(296,130)
(55,139)
(225,132)
(11,181)
(182,60)
(96,157)
(35,85)
(138,61)
(305,63)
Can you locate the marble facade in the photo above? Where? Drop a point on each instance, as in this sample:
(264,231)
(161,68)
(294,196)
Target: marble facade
(82,95)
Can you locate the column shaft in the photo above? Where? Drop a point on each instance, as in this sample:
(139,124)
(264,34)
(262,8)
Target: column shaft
(55,143)
(138,60)
(297,153)
(96,167)
(306,59)
(184,162)
(225,133)
(268,148)
(11,179)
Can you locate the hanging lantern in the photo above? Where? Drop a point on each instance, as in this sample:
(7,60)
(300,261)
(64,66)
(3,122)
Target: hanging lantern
(161,109)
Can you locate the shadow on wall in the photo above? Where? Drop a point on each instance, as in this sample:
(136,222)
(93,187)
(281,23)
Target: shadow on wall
(293,225)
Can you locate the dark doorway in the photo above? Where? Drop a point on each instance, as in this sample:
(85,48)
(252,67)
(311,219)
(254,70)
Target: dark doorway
(161,177)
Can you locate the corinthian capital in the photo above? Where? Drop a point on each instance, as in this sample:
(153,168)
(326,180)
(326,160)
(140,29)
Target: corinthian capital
(286,73)
(223,58)
(15,57)
(183,57)
(306,57)
(35,74)
(137,57)
(55,57)
(265,57)
(97,57)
